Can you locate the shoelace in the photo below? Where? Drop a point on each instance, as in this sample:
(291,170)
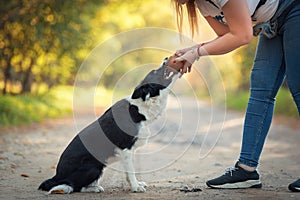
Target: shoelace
(230,170)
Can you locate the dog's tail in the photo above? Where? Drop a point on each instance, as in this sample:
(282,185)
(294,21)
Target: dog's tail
(48,184)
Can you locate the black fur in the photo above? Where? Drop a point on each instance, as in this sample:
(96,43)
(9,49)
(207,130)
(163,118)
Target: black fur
(75,162)
(116,131)
(83,160)
(78,166)
(150,88)
(135,115)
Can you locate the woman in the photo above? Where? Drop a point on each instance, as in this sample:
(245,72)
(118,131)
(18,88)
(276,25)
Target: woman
(277,56)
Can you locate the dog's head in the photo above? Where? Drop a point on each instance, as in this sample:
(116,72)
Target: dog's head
(156,81)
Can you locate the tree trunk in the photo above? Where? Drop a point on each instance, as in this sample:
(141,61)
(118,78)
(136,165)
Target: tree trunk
(27,81)
(7,77)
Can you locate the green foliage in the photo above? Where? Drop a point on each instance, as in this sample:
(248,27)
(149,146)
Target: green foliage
(24,109)
(236,66)
(284,103)
(237,100)
(236,74)
(243,58)
(45,41)
(39,40)
(120,16)
(131,63)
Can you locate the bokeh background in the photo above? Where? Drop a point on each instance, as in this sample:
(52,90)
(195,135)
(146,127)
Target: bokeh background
(43,43)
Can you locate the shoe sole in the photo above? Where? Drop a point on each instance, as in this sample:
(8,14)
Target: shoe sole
(294,189)
(238,185)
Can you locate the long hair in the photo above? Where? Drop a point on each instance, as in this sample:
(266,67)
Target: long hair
(192,15)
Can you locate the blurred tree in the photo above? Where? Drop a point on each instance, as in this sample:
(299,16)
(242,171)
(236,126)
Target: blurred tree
(236,66)
(119,16)
(39,40)
(244,58)
(45,41)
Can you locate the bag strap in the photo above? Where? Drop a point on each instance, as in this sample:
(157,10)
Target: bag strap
(210,1)
(260,3)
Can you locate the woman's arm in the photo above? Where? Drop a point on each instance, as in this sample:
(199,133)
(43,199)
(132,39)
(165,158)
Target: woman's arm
(219,28)
(236,33)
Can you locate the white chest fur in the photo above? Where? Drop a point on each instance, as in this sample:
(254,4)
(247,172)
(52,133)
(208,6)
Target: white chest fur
(152,107)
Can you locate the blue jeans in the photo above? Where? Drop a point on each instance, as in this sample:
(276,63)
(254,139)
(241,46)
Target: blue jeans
(275,59)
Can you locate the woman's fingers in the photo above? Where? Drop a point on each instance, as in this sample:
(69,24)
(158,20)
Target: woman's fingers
(179,53)
(186,68)
(180,59)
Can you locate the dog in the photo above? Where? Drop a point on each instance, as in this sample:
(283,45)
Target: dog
(119,131)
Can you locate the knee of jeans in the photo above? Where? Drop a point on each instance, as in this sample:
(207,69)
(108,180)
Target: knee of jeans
(260,88)
(262,94)
(297,97)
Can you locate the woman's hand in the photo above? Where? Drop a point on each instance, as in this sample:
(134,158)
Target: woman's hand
(188,56)
(180,52)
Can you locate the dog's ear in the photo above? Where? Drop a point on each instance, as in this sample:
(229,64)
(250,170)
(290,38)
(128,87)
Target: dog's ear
(147,90)
(141,92)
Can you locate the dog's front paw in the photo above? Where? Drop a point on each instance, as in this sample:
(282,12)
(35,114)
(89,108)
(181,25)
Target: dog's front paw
(143,184)
(138,189)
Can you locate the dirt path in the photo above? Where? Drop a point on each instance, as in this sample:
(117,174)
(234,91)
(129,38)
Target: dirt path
(184,150)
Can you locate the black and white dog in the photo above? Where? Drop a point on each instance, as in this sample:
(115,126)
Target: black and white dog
(120,130)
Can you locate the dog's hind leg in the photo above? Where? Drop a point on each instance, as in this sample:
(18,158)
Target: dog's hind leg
(61,189)
(93,187)
(84,176)
(127,160)
(81,178)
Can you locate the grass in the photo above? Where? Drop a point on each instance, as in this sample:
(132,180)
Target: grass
(25,109)
(284,103)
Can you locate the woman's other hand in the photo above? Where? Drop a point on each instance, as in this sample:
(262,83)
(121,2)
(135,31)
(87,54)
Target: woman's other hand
(188,57)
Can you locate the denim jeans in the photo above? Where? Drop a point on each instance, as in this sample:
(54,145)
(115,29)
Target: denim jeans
(275,59)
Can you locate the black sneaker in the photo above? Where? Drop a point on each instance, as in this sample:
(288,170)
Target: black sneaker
(234,178)
(295,187)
